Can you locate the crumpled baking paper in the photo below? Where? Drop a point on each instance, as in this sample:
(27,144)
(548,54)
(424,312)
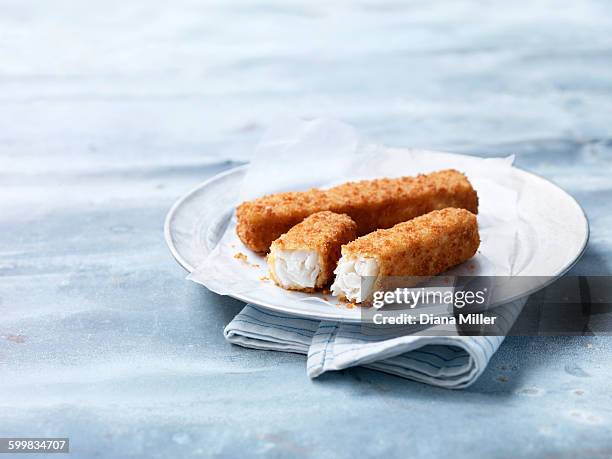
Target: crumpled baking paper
(297,155)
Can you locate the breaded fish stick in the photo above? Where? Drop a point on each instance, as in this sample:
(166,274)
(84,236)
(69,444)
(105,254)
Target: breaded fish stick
(425,246)
(305,257)
(372,204)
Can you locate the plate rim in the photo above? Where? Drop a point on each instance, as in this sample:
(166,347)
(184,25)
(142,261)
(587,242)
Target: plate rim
(167,236)
(321,316)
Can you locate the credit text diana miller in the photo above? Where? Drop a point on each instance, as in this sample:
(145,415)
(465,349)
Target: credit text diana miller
(431,319)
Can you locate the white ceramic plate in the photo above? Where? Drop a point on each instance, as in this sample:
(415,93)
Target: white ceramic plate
(553,233)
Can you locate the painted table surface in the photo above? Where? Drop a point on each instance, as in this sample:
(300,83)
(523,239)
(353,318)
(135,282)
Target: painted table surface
(111,111)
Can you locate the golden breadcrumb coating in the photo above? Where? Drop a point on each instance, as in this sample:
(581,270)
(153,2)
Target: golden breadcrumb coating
(372,204)
(323,232)
(425,246)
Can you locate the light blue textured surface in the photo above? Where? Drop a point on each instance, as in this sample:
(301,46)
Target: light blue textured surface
(111,111)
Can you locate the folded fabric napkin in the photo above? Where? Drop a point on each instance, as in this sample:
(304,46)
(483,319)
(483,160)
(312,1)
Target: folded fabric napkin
(453,362)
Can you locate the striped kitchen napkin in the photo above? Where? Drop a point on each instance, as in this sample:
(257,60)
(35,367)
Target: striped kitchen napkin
(452,362)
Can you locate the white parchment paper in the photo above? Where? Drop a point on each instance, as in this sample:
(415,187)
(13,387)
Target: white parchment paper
(297,155)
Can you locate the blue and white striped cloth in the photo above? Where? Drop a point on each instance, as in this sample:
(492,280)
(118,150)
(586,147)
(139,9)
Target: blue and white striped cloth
(452,362)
